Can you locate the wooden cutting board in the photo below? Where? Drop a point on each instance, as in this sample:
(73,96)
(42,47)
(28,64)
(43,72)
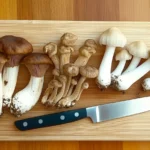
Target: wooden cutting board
(41,32)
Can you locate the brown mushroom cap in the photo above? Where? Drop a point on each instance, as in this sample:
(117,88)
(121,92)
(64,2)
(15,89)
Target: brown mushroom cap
(91,43)
(68,39)
(37,63)
(89,71)
(15,48)
(3,60)
(86,51)
(71,70)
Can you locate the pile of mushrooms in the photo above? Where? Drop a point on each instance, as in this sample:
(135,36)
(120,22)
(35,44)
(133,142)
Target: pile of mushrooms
(65,89)
(121,78)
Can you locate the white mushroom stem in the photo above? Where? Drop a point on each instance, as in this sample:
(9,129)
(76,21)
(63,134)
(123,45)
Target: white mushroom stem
(25,99)
(118,69)
(1,93)
(10,75)
(133,64)
(146,84)
(104,76)
(123,82)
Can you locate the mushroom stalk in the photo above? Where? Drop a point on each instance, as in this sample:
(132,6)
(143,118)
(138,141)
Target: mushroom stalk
(25,99)
(10,75)
(123,82)
(133,64)
(104,76)
(118,69)
(81,61)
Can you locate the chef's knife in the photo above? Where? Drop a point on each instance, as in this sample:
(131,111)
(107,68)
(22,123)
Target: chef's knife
(96,113)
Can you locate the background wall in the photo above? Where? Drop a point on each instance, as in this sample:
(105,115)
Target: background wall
(103,10)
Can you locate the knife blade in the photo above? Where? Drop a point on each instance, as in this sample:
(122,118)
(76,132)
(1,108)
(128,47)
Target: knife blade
(96,113)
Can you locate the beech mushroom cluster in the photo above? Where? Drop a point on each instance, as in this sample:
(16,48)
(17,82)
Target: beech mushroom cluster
(65,88)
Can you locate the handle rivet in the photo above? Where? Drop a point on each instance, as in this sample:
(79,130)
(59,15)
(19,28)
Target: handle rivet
(76,114)
(62,117)
(25,124)
(40,121)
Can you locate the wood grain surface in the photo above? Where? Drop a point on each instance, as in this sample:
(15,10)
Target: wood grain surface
(108,10)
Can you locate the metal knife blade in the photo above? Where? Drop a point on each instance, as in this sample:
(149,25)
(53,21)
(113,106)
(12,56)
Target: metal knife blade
(96,113)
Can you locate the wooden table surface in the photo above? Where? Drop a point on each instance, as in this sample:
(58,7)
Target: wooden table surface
(104,10)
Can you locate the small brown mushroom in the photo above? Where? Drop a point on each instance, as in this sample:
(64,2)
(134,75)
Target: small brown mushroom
(70,70)
(85,85)
(63,80)
(65,53)
(56,85)
(51,50)
(73,84)
(85,52)
(3,60)
(86,72)
(90,43)
(24,100)
(15,48)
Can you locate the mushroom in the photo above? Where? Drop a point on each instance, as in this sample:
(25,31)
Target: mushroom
(85,52)
(112,38)
(73,84)
(85,85)
(53,85)
(124,81)
(90,43)
(66,48)
(15,48)
(3,60)
(24,100)
(146,84)
(122,57)
(70,70)
(86,72)
(51,50)
(65,53)
(56,85)
(139,50)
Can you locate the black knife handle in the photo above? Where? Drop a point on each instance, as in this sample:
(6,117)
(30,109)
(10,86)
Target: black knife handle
(51,119)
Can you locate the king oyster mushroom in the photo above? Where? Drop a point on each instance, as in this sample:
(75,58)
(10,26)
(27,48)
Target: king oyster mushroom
(3,60)
(24,100)
(112,38)
(15,48)
(86,72)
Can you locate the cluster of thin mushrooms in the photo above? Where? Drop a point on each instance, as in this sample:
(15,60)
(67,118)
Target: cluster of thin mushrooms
(69,78)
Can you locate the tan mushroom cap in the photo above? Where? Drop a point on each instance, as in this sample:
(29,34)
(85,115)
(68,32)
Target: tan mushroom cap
(51,49)
(90,43)
(12,45)
(56,83)
(37,58)
(123,55)
(74,82)
(113,37)
(85,85)
(3,58)
(71,69)
(138,49)
(89,71)
(86,51)
(68,39)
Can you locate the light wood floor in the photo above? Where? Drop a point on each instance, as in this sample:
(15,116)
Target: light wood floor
(110,10)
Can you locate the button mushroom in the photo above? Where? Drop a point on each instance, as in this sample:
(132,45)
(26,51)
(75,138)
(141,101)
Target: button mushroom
(146,84)
(112,38)
(123,82)
(139,50)
(70,70)
(122,57)
(25,99)
(86,72)
(15,48)
(3,60)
